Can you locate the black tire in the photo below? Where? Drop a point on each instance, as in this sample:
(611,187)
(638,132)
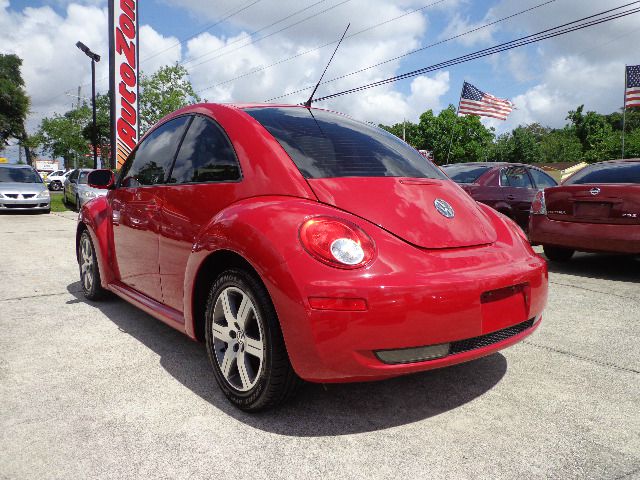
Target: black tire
(77,206)
(55,186)
(558,254)
(274,379)
(90,274)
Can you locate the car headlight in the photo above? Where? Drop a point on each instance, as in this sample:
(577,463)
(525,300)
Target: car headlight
(89,194)
(43,194)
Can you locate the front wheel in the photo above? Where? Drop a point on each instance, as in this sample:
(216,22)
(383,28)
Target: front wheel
(89,271)
(558,254)
(245,344)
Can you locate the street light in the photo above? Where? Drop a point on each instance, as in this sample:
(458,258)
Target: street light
(94,58)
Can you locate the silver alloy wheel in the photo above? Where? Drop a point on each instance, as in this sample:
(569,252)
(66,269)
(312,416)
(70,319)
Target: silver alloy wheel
(86,263)
(238,339)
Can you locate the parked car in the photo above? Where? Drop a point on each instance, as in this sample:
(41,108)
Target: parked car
(299,243)
(508,187)
(595,210)
(55,180)
(76,190)
(22,189)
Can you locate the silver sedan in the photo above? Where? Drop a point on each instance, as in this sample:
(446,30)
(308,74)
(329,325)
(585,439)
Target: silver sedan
(22,189)
(76,190)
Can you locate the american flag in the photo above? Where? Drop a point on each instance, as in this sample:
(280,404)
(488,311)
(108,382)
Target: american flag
(474,101)
(632,93)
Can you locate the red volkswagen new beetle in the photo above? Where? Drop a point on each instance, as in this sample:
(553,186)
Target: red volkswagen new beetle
(301,244)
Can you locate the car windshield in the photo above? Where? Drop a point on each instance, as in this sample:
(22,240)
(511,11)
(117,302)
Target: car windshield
(19,175)
(82,179)
(328,145)
(464,173)
(623,172)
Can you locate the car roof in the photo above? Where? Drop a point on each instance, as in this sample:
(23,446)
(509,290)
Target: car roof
(13,165)
(489,164)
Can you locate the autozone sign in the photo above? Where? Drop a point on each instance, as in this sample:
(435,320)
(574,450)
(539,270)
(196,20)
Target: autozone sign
(124,81)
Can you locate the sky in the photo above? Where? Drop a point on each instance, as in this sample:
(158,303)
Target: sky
(229,48)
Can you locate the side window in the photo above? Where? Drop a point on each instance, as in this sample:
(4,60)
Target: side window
(74,175)
(542,179)
(206,155)
(515,177)
(150,163)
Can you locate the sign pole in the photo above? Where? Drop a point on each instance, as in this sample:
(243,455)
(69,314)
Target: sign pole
(453,129)
(124,78)
(624,109)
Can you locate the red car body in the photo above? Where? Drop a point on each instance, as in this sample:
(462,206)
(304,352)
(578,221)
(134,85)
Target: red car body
(595,210)
(508,187)
(471,281)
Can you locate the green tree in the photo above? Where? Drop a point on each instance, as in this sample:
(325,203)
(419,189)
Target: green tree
(409,130)
(62,136)
(454,139)
(166,90)
(561,146)
(103,126)
(14,103)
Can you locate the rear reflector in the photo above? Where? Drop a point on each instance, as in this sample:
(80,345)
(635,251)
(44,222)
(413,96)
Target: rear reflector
(344,304)
(410,355)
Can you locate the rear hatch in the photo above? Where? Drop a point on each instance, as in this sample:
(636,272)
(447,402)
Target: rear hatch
(406,208)
(590,203)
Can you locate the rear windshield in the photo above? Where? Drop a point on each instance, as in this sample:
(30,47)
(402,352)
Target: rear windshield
(325,145)
(627,172)
(464,173)
(19,175)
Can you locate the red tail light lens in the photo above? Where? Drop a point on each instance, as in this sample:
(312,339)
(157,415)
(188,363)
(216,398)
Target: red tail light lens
(336,242)
(538,206)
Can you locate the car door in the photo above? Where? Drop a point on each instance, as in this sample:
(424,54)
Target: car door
(206,177)
(518,192)
(70,184)
(136,204)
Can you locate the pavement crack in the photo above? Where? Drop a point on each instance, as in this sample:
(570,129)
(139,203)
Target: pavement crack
(39,295)
(581,357)
(595,291)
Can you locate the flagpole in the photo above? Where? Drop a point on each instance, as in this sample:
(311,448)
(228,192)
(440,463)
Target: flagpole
(624,108)
(453,129)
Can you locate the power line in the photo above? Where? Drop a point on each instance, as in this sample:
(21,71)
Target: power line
(418,50)
(257,70)
(264,36)
(563,29)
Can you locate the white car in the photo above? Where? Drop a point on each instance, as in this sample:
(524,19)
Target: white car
(55,180)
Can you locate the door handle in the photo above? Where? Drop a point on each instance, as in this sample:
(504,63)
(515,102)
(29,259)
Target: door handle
(511,197)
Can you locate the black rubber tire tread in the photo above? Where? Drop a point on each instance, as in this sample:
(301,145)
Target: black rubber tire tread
(558,254)
(97,292)
(278,382)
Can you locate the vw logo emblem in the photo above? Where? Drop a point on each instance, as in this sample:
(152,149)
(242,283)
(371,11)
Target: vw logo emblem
(444,208)
(594,191)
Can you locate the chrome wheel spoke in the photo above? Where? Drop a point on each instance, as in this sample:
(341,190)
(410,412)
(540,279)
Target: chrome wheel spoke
(227,362)
(242,371)
(254,347)
(221,332)
(226,307)
(244,310)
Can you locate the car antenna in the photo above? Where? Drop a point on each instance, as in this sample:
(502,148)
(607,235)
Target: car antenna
(307,104)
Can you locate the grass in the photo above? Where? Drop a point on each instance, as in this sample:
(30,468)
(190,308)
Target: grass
(57,205)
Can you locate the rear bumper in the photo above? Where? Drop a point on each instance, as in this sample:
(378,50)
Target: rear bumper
(421,299)
(585,237)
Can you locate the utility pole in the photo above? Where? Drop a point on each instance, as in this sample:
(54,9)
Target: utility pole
(79,90)
(94,58)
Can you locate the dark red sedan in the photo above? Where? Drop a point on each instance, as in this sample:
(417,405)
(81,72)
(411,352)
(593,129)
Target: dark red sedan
(508,187)
(299,243)
(597,209)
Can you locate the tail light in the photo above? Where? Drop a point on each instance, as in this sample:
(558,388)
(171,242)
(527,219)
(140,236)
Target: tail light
(538,206)
(336,242)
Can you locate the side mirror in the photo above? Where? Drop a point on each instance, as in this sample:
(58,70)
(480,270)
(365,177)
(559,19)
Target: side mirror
(103,179)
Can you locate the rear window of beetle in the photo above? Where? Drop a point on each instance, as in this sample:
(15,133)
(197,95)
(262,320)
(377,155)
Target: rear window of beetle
(328,145)
(622,172)
(465,173)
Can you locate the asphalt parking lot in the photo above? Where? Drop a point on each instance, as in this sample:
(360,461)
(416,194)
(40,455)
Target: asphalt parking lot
(102,390)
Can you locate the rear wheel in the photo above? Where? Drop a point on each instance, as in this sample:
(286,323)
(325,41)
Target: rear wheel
(558,254)
(56,186)
(245,344)
(89,272)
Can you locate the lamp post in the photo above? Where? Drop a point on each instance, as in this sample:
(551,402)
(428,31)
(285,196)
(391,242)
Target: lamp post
(94,58)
